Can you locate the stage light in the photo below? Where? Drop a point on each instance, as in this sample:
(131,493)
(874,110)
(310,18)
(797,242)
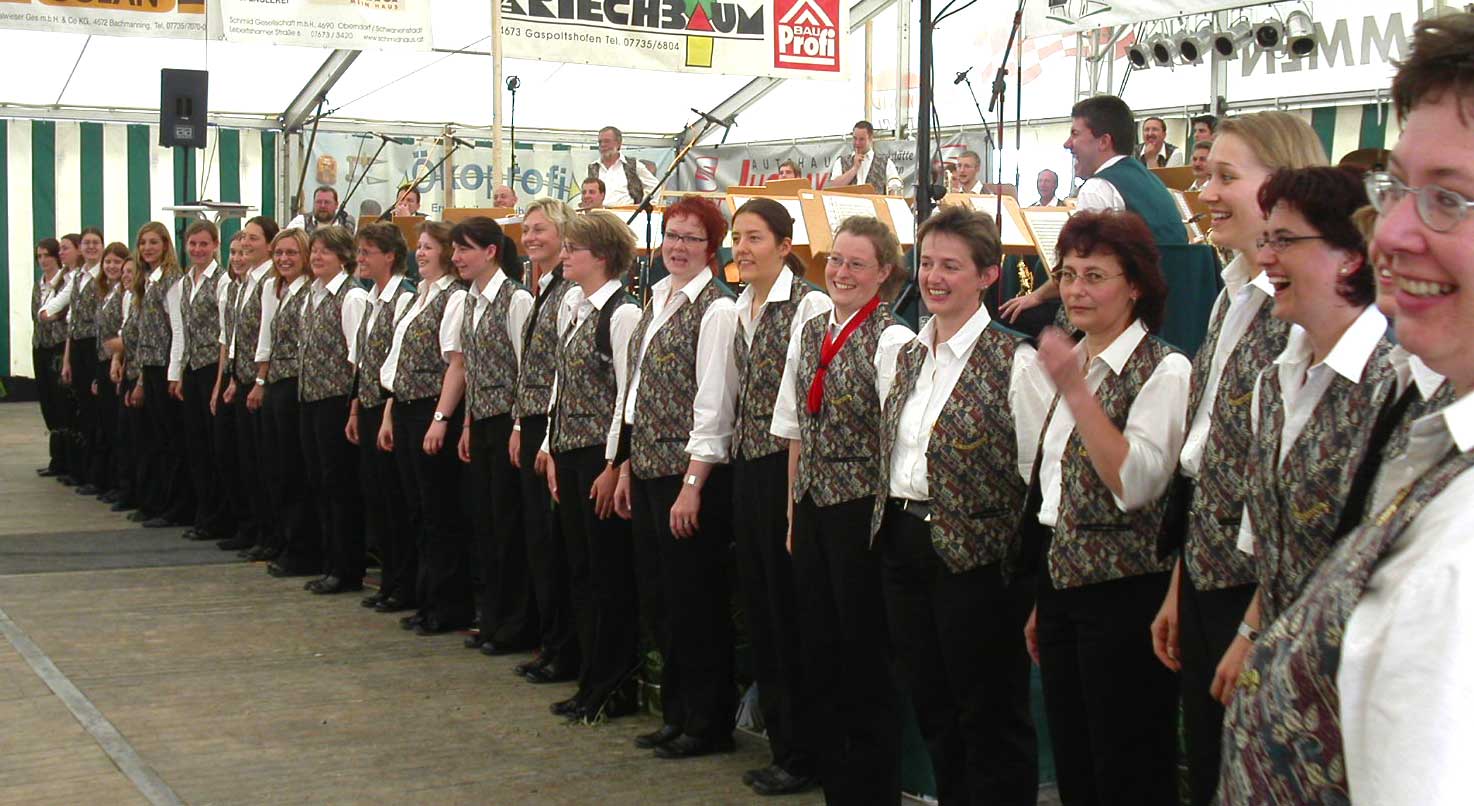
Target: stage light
(1269,34)
(1227,43)
(1163,49)
(1139,56)
(1192,46)
(1299,34)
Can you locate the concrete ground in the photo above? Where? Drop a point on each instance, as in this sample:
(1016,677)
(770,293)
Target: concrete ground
(142,668)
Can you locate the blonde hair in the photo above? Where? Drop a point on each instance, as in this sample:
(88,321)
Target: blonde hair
(170,261)
(887,249)
(556,211)
(292,234)
(1279,140)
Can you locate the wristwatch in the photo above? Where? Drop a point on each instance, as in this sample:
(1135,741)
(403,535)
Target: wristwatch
(260,381)
(439,417)
(1248,633)
(691,480)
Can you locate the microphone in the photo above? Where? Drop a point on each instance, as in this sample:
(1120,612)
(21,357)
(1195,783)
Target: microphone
(464,143)
(513,83)
(961,77)
(726,123)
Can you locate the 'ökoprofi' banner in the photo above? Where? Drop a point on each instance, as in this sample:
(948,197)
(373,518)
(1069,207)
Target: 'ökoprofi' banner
(346,24)
(180,19)
(784,38)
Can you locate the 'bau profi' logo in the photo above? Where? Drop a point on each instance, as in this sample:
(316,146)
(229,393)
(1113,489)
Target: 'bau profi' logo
(806,35)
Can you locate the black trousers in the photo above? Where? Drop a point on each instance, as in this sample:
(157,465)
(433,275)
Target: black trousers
(848,688)
(959,641)
(386,526)
(433,483)
(105,437)
(47,363)
(336,500)
(172,493)
(601,576)
(131,457)
(696,642)
(234,502)
(1207,622)
(253,486)
(505,600)
(84,435)
(212,514)
(546,562)
(759,491)
(290,481)
(1112,706)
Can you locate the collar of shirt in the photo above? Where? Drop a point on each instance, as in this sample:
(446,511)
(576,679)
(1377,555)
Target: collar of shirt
(297,283)
(390,289)
(253,277)
(1108,163)
(334,284)
(1240,272)
(781,291)
(94,270)
(598,298)
(1116,355)
(660,293)
(1411,369)
(153,276)
(547,279)
(1458,418)
(1352,351)
(493,285)
(1052,201)
(209,270)
(961,343)
(835,324)
(618,162)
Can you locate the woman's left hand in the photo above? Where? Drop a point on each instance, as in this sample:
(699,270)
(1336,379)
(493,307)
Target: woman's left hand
(685,513)
(434,438)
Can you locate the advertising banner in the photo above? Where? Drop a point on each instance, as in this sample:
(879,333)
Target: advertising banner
(782,38)
(345,24)
(177,19)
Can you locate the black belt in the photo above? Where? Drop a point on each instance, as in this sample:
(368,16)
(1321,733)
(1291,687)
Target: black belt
(920,510)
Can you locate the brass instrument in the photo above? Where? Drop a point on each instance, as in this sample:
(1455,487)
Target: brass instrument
(1025,278)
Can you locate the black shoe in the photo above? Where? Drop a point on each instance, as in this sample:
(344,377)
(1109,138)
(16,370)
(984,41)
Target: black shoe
(138,516)
(494,649)
(282,571)
(656,738)
(550,673)
(196,533)
(373,599)
(692,747)
(474,641)
(565,707)
(46,472)
(393,604)
(122,506)
(87,489)
(331,585)
(537,662)
(110,497)
(233,544)
(160,522)
(310,584)
(434,626)
(411,622)
(753,775)
(259,553)
(777,781)
(68,481)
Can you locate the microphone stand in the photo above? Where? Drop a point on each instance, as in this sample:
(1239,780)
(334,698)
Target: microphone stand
(455,143)
(383,141)
(1000,89)
(647,204)
(513,83)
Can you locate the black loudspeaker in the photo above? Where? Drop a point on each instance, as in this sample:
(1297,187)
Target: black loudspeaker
(183,103)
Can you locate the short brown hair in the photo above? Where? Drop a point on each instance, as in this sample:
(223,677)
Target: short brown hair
(607,237)
(887,249)
(1327,198)
(207,227)
(386,238)
(977,230)
(339,241)
(1125,236)
(1438,61)
(440,231)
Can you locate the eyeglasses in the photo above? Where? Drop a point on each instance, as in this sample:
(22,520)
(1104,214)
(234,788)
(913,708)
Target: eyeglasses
(688,240)
(1439,209)
(573,247)
(1091,278)
(1280,243)
(835,261)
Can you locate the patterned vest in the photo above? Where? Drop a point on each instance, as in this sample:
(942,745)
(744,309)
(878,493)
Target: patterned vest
(875,177)
(374,343)
(760,372)
(631,177)
(154,332)
(1211,552)
(491,361)
(421,370)
(201,319)
(841,457)
(977,497)
(1296,504)
(586,386)
(1093,540)
(287,335)
(131,334)
(663,416)
(109,320)
(1282,733)
(82,322)
(539,350)
(45,334)
(326,371)
(247,324)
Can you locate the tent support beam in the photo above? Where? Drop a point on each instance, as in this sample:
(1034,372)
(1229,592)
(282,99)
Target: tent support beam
(332,69)
(861,12)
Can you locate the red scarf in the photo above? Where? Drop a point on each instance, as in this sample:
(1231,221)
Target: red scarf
(831,347)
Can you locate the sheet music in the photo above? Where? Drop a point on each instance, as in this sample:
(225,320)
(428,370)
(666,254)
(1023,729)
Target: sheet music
(1046,226)
(903,218)
(840,206)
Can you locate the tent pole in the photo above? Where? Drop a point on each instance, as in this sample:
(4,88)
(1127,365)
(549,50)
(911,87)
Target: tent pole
(923,118)
(497,161)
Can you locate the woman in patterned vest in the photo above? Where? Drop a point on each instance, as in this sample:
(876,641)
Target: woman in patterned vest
(836,373)
(1315,407)
(542,239)
(381,254)
(48,340)
(774,305)
(491,325)
(1109,449)
(109,324)
(295,540)
(169,500)
(1360,689)
(677,412)
(332,310)
(425,375)
(960,433)
(132,461)
(578,456)
(1213,581)
(256,533)
(79,360)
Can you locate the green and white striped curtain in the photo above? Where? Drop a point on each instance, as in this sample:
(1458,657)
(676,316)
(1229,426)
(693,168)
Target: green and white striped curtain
(61,176)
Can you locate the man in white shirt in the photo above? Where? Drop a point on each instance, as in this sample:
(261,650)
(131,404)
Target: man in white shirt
(863,165)
(1200,164)
(1047,184)
(593,194)
(1155,151)
(968,179)
(325,211)
(626,180)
